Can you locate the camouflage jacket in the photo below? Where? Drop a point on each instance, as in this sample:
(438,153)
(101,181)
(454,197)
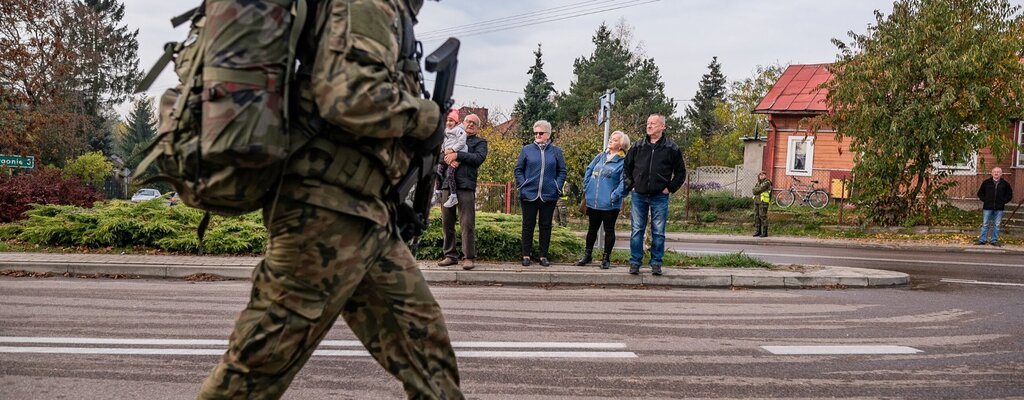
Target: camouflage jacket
(358,99)
(762,186)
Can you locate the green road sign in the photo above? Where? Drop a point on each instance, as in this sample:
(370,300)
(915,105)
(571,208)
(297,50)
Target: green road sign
(11,161)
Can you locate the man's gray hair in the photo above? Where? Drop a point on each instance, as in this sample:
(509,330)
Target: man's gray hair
(661,117)
(544,124)
(623,139)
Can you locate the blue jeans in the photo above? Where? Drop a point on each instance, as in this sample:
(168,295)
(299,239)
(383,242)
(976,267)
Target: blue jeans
(994,217)
(656,206)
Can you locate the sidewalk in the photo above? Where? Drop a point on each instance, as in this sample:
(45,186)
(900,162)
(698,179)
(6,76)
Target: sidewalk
(178,267)
(852,243)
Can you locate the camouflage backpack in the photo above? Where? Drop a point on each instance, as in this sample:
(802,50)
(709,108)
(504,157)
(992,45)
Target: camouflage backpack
(223,136)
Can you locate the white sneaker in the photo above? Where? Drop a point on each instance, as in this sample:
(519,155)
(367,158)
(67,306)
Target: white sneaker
(452,201)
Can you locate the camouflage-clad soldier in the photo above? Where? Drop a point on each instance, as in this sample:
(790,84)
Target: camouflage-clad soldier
(334,248)
(762,197)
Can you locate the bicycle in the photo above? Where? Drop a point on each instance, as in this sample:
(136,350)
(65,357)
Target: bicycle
(811,195)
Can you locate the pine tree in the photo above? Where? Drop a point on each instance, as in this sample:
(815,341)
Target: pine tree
(643,95)
(701,114)
(536,103)
(141,128)
(637,81)
(105,67)
(606,68)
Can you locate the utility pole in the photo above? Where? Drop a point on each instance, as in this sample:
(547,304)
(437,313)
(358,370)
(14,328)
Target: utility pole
(604,116)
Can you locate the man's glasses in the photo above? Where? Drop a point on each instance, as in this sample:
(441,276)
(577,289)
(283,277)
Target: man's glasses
(470,123)
(540,133)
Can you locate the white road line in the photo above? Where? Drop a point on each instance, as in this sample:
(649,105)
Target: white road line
(324,353)
(852,258)
(830,350)
(327,343)
(973,282)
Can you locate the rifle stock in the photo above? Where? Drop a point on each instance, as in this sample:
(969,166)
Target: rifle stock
(414,218)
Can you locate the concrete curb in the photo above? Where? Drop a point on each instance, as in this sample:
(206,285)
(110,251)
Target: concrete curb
(506,274)
(830,243)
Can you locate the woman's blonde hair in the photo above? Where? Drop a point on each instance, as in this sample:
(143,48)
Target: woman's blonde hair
(624,141)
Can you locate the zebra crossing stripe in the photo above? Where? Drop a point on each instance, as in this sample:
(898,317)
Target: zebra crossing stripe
(328,348)
(840,350)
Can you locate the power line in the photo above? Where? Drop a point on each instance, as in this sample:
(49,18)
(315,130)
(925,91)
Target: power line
(551,18)
(492,29)
(481,88)
(516,17)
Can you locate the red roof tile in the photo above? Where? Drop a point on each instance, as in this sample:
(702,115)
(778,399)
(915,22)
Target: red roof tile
(797,91)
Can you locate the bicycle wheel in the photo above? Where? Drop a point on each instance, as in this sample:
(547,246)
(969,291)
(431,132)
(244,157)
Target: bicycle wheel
(785,198)
(818,199)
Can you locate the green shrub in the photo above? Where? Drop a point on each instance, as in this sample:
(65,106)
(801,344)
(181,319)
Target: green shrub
(674,259)
(719,201)
(708,216)
(498,238)
(122,224)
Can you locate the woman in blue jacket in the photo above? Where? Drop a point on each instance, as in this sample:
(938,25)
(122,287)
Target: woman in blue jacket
(603,188)
(540,173)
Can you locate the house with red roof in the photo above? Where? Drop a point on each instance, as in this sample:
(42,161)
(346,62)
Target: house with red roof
(794,153)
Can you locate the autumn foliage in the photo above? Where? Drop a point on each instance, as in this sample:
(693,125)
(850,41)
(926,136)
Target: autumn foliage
(44,186)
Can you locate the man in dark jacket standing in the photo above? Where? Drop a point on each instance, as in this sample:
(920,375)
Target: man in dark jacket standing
(654,169)
(994,193)
(468,165)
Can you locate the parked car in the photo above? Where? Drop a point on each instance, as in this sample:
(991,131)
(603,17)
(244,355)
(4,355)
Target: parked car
(145,194)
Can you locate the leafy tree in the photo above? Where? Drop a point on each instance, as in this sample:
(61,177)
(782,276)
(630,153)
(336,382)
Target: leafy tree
(536,102)
(91,168)
(502,153)
(62,65)
(936,77)
(701,114)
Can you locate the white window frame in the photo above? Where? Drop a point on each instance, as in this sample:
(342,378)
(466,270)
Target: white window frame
(971,168)
(791,156)
(1020,144)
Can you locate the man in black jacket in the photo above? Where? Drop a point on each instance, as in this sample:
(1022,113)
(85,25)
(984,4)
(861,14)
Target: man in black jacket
(653,169)
(467,166)
(994,193)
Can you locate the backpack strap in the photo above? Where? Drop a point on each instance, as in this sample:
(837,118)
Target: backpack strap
(169,49)
(298,23)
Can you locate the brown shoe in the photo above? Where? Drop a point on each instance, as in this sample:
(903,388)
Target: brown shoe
(447,262)
(468,264)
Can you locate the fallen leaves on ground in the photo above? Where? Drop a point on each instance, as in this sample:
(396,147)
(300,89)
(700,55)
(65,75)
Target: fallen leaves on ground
(204,277)
(25,274)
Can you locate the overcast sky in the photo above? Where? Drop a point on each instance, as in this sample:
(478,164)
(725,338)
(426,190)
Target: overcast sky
(681,36)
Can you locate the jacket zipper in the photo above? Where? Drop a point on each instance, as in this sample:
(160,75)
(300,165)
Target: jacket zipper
(650,167)
(540,183)
(600,176)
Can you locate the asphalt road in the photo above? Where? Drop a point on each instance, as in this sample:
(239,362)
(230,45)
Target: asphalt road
(926,268)
(957,342)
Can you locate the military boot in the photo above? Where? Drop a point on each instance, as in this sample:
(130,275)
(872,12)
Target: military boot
(606,262)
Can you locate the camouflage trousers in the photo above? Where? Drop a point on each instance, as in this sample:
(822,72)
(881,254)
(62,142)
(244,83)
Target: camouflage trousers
(760,216)
(321,264)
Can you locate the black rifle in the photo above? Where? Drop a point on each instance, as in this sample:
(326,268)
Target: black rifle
(414,218)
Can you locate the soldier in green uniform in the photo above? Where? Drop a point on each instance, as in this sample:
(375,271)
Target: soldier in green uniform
(762,196)
(334,248)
